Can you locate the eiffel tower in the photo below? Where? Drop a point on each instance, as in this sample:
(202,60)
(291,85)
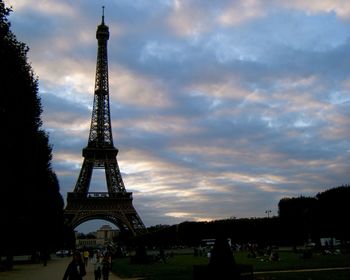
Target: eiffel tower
(115,205)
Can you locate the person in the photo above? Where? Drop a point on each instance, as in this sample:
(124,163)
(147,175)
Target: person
(105,267)
(162,254)
(86,257)
(222,263)
(274,256)
(45,257)
(76,268)
(97,262)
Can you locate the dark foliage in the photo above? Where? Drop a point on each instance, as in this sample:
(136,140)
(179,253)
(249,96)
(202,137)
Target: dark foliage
(333,210)
(298,218)
(309,218)
(301,219)
(31,207)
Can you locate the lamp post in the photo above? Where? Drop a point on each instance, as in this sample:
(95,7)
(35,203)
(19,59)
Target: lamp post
(268,213)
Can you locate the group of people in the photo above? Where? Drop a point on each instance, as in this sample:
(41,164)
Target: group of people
(76,269)
(102,265)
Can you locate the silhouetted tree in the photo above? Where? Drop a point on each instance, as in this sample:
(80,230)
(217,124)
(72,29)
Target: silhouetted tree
(313,217)
(300,218)
(31,207)
(333,210)
(297,218)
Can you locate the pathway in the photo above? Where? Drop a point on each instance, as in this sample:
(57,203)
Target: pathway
(302,270)
(53,271)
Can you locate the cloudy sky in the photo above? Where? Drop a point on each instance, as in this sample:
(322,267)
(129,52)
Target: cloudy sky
(219,108)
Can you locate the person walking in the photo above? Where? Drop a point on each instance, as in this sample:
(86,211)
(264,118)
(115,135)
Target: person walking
(162,254)
(86,257)
(76,268)
(106,265)
(97,262)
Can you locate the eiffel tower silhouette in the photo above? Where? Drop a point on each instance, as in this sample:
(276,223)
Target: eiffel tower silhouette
(115,205)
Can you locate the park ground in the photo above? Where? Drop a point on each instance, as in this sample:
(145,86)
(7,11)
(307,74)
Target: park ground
(53,271)
(180,267)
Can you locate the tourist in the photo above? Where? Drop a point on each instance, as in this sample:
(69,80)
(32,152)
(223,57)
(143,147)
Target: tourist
(97,262)
(76,269)
(222,264)
(86,256)
(162,254)
(106,265)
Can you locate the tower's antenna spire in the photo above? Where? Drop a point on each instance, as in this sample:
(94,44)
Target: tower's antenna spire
(103,14)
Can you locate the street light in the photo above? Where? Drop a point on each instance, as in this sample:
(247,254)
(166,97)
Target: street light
(268,213)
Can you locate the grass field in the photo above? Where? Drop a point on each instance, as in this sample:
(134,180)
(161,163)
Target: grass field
(180,267)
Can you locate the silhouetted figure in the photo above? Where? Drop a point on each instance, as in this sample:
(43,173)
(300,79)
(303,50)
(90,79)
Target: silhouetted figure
(141,256)
(106,265)
(274,256)
(222,264)
(162,254)
(252,251)
(86,257)
(97,262)
(45,257)
(76,268)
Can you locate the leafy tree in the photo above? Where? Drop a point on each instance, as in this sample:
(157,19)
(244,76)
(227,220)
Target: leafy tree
(297,217)
(333,211)
(31,207)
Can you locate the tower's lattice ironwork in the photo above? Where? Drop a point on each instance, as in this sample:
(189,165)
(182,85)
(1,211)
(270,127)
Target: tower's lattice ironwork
(116,204)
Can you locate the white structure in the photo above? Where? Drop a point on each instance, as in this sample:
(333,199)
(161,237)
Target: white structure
(103,236)
(106,234)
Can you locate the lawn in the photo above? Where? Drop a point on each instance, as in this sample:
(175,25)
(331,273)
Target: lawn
(290,260)
(176,267)
(180,266)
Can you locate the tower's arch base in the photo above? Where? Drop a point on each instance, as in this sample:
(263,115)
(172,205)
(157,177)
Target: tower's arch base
(116,208)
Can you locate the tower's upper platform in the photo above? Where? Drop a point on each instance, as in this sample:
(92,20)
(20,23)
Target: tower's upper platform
(102,30)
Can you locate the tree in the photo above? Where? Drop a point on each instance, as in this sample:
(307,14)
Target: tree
(333,211)
(313,217)
(297,217)
(31,207)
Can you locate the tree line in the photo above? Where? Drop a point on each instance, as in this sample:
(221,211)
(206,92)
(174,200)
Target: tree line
(300,220)
(31,206)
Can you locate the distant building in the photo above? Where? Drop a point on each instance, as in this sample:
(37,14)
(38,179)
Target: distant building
(89,242)
(106,234)
(103,236)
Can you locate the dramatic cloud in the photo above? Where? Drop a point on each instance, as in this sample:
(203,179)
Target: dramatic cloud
(219,108)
